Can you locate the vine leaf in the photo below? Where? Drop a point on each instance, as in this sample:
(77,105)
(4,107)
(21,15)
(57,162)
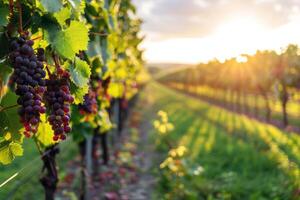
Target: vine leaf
(5,73)
(9,152)
(94,49)
(80,129)
(10,147)
(45,133)
(52,6)
(4,41)
(79,93)
(10,118)
(4,123)
(104,50)
(10,127)
(4,13)
(74,3)
(80,72)
(62,16)
(71,40)
(103,121)
(115,89)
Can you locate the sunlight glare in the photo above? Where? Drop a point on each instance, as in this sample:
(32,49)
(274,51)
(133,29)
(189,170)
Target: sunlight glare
(239,35)
(238,29)
(241,59)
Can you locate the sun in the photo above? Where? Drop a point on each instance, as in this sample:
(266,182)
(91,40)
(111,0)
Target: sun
(240,28)
(239,35)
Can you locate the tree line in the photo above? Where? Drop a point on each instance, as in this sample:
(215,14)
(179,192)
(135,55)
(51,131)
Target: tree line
(267,74)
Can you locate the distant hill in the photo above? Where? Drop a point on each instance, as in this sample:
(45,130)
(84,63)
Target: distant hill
(168,65)
(161,69)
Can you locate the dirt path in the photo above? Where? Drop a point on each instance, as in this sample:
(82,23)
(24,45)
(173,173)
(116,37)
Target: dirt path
(143,187)
(128,176)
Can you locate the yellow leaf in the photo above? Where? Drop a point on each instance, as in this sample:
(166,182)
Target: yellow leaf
(116,89)
(7,136)
(16,149)
(9,152)
(45,133)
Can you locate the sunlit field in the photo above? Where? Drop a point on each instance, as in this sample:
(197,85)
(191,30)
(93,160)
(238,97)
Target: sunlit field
(238,155)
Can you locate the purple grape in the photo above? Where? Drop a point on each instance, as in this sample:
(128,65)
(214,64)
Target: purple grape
(57,88)
(89,105)
(27,77)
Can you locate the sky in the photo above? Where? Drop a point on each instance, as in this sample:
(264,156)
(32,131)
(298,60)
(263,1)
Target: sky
(194,31)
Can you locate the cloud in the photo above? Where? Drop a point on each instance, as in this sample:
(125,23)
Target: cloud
(190,31)
(199,18)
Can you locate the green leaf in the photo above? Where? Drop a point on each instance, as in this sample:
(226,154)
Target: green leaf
(74,3)
(80,129)
(80,72)
(104,50)
(79,93)
(4,123)
(9,151)
(4,12)
(52,5)
(10,119)
(71,40)
(4,41)
(45,133)
(62,16)
(94,49)
(5,72)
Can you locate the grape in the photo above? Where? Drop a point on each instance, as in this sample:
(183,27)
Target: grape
(58,98)
(89,106)
(28,77)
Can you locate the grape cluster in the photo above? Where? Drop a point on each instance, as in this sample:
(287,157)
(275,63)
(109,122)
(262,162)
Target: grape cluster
(58,99)
(29,78)
(89,106)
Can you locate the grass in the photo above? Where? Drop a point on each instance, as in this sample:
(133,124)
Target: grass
(26,184)
(242,158)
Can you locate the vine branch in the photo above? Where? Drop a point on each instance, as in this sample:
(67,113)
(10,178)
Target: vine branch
(20,17)
(11,8)
(8,107)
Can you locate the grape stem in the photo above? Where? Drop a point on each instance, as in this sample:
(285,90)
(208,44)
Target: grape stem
(37,145)
(49,73)
(8,107)
(36,38)
(57,65)
(27,22)
(20,17)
